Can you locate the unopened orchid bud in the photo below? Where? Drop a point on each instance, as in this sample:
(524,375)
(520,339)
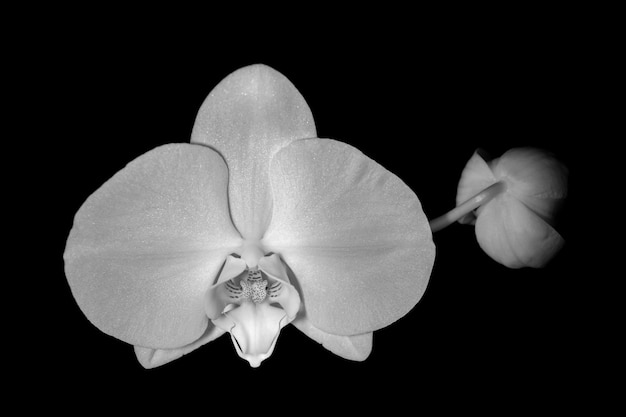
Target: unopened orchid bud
(515,225)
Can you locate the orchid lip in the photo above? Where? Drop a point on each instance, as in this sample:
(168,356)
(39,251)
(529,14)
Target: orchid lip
(253,305)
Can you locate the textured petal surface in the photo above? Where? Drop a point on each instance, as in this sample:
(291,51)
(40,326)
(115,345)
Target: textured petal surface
(249,116)
(355,348)
(146,245)
(354,235)
(514,235)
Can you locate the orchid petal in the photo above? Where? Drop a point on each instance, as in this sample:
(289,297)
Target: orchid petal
(354,235)
(514,235)
(356,348)
(535,178)
(249,116)
(145,247)
(151,358)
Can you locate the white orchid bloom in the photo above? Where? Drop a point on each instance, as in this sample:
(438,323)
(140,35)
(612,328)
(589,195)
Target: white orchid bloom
(255,224)
(512,201)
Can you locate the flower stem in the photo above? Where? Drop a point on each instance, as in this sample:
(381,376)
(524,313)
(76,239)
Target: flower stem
(469,205)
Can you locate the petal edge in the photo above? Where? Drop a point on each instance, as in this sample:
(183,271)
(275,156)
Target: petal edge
(143,250)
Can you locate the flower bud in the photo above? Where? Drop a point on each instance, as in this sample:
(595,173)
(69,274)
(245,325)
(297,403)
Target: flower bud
(516,227)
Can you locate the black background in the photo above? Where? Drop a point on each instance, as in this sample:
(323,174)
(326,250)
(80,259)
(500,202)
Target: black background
(419,103)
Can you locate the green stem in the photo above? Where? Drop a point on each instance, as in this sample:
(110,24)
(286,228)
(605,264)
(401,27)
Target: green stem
(472,204)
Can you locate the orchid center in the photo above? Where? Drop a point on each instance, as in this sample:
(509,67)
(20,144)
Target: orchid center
(253,288)
(253,303)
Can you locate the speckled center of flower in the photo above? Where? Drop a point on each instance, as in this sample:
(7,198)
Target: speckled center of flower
(253,288)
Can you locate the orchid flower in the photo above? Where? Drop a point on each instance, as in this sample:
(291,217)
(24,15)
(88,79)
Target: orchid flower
(254,225)
(512,201)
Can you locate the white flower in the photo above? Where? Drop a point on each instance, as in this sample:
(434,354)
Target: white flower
(254,225)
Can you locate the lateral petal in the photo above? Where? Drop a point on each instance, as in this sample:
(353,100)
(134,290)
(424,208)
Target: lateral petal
(354,235)
(247,118)
(146,245)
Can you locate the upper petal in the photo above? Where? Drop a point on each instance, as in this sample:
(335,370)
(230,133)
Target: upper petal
(249,116)
(514,235)
(354,235)
(146,245)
